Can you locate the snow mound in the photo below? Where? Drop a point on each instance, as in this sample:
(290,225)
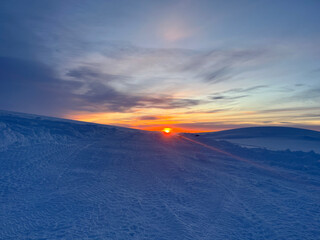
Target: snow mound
(62,179)
(267,132)
(273,138)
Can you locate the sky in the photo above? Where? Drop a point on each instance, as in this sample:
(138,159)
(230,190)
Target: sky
(191,65)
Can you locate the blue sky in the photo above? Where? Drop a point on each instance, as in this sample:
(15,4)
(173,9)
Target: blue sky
(193,65)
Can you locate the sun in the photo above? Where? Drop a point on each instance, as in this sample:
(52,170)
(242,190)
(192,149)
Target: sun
(167,130)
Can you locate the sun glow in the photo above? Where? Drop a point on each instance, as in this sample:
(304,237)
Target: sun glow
(167,130)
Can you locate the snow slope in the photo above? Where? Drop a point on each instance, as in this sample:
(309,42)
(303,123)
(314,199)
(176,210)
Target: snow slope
(273,138)
(67,180)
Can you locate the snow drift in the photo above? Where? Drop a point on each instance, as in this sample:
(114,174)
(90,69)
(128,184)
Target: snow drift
(70,180)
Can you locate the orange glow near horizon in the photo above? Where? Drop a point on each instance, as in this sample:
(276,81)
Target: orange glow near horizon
(130,120)
(167,130)
(127,120)
(176,129)
(178,122)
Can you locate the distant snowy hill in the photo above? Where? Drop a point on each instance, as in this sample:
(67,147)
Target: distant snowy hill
(63,179)
(266,132)
(273,138)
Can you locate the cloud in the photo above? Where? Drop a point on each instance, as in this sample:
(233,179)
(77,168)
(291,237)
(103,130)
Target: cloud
(246,90)
(100,97)
(301,98)
(311,115)
(76,70)
(217,75)
(120,78)
(228,97)
(290,109)
(154,117)
(133,68)
(208,111)
(87,73)
(30,86)
(236,93)
(214,66)
(213,125)
(148,118)
(309,94)
(57,60)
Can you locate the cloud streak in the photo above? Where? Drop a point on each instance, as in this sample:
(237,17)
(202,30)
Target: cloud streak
(38,87)
(237,93)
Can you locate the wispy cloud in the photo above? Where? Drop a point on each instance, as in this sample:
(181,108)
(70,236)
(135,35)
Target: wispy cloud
(208,111)
(290,109)
(149,118)
(84,90)
(228,97)
(29,86)
(236,93)
(246,90)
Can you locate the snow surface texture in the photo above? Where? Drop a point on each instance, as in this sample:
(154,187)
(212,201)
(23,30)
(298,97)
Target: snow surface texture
(68,180)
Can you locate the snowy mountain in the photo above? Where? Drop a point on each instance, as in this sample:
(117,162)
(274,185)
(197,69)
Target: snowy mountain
(63,179)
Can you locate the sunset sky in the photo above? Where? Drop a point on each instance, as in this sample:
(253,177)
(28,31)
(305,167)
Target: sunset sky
(189,65)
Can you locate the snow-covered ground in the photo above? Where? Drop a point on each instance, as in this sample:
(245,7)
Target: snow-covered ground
(67,180)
